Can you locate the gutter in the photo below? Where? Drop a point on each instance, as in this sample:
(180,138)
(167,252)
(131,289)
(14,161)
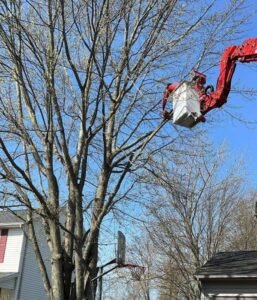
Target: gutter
(11,225)
(199,277)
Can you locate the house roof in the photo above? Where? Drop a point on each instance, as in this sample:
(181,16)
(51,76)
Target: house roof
(8,279)
(9,219)
(237,264)
(16,218)
(7,276)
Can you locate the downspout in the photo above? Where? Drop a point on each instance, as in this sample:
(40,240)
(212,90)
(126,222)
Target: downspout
(21,264)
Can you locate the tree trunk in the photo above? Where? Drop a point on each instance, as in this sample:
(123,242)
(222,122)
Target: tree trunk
(56,263)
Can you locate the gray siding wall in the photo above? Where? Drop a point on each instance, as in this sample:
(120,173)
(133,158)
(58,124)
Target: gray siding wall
(31,285)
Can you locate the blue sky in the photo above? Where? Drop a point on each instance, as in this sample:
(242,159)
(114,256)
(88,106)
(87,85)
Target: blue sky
(224,125)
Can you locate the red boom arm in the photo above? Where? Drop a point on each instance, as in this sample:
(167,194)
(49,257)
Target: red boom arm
(247,52)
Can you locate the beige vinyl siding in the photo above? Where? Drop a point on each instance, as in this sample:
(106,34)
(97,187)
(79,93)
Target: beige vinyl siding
(6,294)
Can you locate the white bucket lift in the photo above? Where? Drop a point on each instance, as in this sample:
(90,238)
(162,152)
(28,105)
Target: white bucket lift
(186,105)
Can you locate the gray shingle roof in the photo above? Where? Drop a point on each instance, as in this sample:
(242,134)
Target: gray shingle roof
(7,275)
(230,264)
(7,217)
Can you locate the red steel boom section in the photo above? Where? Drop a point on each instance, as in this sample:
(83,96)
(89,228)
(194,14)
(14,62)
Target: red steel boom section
(208,97)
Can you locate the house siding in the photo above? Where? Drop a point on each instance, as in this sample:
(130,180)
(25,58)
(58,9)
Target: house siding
(13,251)
(20,258)
(31,285)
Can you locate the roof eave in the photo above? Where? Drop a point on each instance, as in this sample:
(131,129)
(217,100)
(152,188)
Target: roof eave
(199,277)
(9,276)
(11,225)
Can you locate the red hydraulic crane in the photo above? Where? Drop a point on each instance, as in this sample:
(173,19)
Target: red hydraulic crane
(193,99)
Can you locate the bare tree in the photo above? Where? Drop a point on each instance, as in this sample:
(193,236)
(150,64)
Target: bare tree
(78,109)
(243,231)
(190,219)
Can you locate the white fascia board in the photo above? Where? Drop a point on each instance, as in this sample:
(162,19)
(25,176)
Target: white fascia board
(234,295)
(225,276)
(11,225)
